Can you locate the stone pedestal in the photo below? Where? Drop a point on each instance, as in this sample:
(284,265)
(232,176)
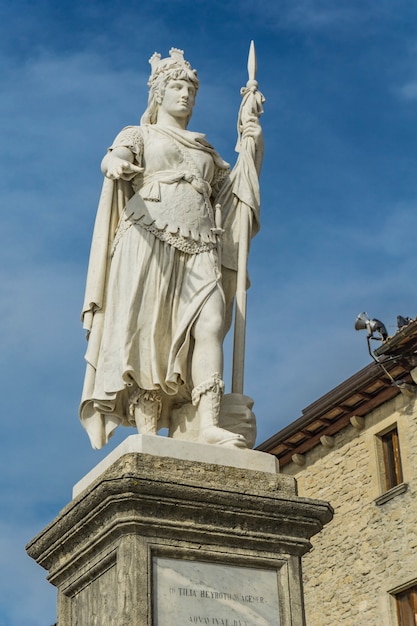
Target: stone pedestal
(169,533)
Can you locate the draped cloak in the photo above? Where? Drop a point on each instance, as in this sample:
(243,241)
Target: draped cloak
(153,265)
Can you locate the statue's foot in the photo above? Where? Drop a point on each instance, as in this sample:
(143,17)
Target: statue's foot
(221,437)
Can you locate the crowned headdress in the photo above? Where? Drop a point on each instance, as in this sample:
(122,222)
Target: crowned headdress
(174,61)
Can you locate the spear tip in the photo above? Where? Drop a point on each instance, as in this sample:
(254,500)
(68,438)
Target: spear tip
(252,61)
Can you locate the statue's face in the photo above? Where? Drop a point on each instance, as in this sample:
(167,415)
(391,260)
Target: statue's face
(178,99)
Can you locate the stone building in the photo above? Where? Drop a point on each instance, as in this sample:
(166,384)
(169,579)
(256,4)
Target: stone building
(356,447)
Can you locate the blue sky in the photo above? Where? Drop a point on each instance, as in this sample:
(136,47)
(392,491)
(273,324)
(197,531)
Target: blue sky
(339,210)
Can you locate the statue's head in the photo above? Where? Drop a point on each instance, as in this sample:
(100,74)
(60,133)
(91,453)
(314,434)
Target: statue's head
(174,67)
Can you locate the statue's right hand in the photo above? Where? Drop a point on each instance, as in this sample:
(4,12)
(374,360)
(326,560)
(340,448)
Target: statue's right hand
(120,168)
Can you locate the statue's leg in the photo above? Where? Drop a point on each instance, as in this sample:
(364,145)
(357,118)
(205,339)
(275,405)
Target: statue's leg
(207,357)
(145,408)
(207,368)
(207,397)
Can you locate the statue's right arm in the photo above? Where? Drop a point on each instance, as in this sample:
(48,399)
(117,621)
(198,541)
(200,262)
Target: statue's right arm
(118,163)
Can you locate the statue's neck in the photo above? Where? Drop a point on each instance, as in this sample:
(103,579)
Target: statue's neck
(165,119)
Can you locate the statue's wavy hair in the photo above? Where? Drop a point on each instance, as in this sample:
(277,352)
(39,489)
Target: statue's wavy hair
(157,87)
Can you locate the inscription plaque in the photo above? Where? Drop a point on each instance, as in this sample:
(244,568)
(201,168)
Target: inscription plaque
(195,592)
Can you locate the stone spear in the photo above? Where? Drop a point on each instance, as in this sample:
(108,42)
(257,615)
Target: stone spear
(250,108)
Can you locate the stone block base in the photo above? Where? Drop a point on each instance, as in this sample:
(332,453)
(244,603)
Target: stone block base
(150,539)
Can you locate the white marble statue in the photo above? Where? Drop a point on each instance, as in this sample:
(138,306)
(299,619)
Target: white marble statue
(158,301)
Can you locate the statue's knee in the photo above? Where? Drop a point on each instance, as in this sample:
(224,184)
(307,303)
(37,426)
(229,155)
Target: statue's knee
(208,326)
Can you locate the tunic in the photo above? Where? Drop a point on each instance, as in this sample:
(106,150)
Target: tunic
(161,269)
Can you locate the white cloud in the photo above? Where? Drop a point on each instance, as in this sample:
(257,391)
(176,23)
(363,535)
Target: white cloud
(319,15)
(409,91)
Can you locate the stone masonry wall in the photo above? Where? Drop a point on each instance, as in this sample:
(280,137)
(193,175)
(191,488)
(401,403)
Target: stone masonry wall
(368,550)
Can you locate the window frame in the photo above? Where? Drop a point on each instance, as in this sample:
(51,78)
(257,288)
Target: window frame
(406,603)
(390,444)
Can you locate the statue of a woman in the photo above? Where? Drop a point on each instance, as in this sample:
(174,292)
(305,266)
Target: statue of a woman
(157,299)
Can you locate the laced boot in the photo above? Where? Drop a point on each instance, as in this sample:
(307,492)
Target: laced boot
(145,408)
(207,398)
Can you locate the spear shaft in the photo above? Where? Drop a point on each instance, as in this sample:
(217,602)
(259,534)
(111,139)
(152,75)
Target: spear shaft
(248,108)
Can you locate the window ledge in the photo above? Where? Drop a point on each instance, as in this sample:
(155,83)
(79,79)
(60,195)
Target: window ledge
(388,495)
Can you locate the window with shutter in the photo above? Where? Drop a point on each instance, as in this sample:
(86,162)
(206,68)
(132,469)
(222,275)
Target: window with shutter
(407,607)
